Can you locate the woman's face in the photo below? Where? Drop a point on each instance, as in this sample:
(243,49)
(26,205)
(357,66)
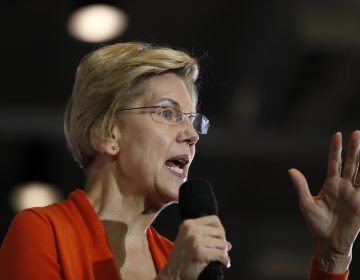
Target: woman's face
(154,157)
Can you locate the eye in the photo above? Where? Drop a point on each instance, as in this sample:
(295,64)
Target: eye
(167,114)
(192,117)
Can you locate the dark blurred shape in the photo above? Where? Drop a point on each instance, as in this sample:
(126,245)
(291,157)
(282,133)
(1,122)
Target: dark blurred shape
(197,199)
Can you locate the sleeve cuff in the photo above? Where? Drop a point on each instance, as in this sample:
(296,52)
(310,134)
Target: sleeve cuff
(317,273)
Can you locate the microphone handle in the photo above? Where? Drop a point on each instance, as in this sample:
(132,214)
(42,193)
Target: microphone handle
(213,271)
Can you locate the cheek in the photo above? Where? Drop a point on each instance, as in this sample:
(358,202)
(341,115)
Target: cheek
(156,153)
(158,150)
(145,147)
(144,155)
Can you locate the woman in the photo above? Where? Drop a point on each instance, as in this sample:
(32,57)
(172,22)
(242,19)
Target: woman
(132,124)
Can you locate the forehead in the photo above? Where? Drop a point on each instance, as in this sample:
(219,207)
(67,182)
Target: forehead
(167,88)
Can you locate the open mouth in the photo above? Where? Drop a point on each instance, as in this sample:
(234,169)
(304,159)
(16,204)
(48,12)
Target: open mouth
(177,164)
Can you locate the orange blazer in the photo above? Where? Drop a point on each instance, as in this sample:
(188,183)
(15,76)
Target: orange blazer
(67,241)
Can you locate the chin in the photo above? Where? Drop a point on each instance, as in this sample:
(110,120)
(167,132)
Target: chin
(168,193)
(170,197)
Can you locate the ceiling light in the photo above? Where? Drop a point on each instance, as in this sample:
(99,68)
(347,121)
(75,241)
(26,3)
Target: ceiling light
(97,23)
(34,194)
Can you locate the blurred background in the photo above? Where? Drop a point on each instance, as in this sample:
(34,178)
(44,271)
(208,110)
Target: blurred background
(279,78)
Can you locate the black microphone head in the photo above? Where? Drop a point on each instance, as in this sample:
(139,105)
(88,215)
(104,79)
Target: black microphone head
(197,199)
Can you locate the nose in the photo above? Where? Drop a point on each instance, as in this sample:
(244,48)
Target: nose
(188,133)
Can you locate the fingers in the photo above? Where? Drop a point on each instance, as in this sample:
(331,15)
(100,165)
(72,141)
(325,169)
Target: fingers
(334,163)
(205,239)
(352,158)
(209,226)
(300,185)
(211,249)
(213,255)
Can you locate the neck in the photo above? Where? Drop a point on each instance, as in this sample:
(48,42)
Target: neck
(117,201)
(124,213)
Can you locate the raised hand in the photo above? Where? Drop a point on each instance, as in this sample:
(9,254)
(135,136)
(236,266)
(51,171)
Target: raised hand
(199,242)
(333,216)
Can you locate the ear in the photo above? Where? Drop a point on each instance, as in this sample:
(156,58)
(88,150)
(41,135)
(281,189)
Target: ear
(110,145)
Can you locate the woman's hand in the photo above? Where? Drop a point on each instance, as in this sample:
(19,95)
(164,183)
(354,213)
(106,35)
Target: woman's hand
(199,242)
(333,216)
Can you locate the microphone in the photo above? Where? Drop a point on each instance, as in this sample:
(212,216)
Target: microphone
(197,199)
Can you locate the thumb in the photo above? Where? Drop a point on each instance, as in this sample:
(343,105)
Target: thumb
(300,185)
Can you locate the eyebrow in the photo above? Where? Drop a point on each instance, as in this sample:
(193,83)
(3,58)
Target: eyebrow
(170,100)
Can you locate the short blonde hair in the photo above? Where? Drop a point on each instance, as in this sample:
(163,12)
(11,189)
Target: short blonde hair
(106,80)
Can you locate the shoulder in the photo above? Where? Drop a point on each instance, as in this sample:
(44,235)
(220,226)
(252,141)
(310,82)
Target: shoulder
(30,241)
(40,221)
(32,224)
(47,215)
(29,233)
(29,220)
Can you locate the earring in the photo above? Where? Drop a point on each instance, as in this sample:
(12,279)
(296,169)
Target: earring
(114,147)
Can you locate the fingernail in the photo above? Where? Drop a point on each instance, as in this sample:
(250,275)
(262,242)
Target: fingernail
(229,246)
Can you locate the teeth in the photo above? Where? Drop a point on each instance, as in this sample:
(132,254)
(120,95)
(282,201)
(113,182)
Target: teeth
(176,169)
